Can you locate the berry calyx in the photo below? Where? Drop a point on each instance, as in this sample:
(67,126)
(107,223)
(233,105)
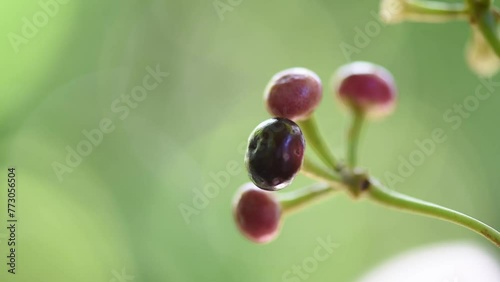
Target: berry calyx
(366,88)
(293,94)
(275,153)
(257,213)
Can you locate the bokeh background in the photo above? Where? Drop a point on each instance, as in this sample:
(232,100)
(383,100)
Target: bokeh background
(116,216)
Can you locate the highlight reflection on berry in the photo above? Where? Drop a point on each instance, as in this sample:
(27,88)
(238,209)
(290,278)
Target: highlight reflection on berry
(275,153)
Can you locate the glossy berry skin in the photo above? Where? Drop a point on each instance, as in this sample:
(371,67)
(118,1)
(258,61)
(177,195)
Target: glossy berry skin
(366,88)
(275,153)
(257,213)
(293,94)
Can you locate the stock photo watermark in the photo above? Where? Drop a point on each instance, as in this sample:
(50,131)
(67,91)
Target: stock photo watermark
(454,117)
(121,276)
(310,264)
(218,181)
(121,107)
(223,6)
(417,157)
(364,35)
(31,26)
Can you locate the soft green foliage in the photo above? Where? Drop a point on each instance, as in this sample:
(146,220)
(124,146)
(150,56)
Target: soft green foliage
(120,207)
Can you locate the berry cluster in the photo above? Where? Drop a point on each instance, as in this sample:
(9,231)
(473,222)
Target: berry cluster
(276,147)
(276,152)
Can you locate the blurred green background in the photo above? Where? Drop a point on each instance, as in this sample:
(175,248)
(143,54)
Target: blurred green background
(116,216)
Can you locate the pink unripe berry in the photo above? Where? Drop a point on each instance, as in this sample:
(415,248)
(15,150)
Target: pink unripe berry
(366,88)
(257,213)
(293,94)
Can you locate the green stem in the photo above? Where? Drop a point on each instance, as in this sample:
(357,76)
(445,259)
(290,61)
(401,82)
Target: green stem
(353,139)
(485,16)
(487,23)
(294,201)
(385,196)
(496,13)
(313,137)
(475,3)
(314,171)
(451,10)
(423,11)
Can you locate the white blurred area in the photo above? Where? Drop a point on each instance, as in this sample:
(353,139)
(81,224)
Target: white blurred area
(449,262)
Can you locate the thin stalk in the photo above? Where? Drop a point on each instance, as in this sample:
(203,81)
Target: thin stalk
(486,16)
(294,201)
(314,171)
(394,199)
(423,11)
(449,11)
(318,144)
(488,25)
(353,139)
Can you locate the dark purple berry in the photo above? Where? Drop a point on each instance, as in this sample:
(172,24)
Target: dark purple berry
(366,88)
(275,153)
(257,213)
(293,94)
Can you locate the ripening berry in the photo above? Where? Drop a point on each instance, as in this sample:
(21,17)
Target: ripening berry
(293,94)
(275,153)
(257,213)
(366,88)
